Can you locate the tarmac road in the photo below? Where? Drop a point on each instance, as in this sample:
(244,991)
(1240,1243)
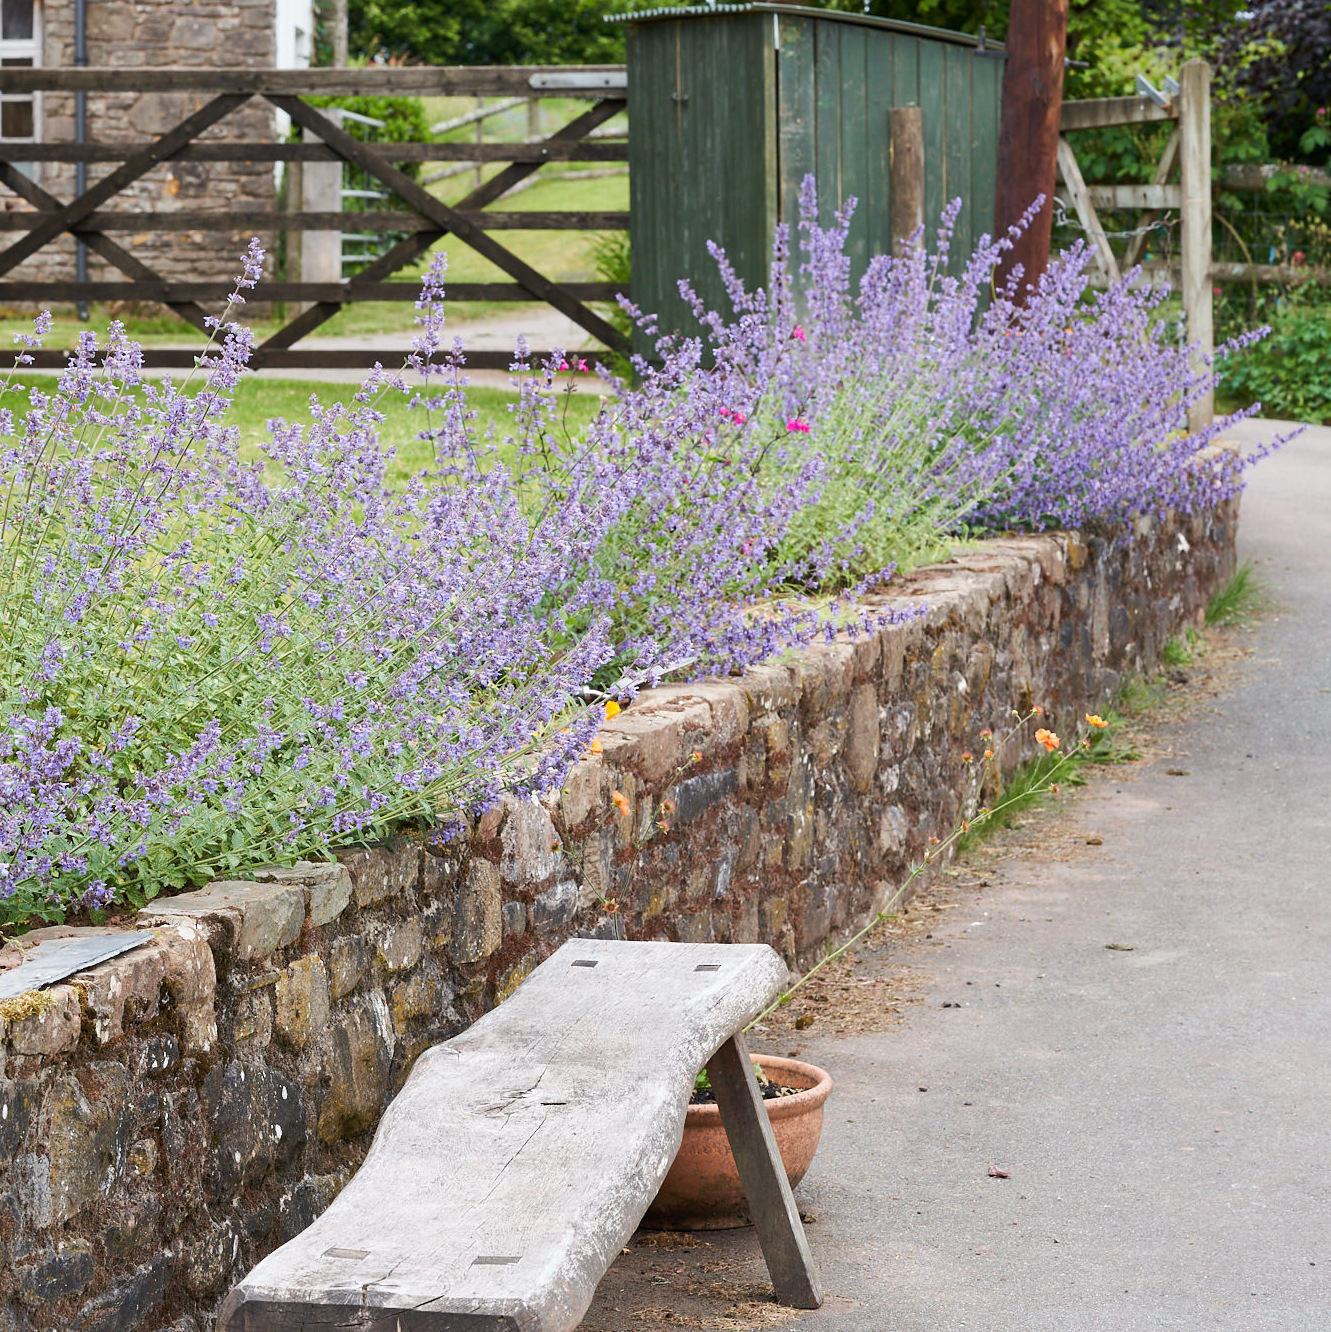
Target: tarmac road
(1165,1112)
(1163,1109)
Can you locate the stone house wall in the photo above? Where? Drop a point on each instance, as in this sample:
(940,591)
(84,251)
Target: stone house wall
(203,34)
(172,1115)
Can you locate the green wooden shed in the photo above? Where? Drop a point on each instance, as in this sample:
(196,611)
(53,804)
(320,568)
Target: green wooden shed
(732,105)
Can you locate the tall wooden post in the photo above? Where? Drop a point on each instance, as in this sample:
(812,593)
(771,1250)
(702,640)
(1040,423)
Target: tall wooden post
(1195,177)
(1028,135)
(905,158)
(320,192)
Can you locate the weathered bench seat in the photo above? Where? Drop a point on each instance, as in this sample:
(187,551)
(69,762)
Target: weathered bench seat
(520,1156)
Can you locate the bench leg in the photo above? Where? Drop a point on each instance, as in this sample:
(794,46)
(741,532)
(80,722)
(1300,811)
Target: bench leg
(771,1202)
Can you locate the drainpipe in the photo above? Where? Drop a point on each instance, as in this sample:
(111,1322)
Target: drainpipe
(81,136)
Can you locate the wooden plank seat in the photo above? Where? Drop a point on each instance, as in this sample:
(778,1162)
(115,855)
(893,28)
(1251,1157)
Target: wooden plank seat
(520,1156)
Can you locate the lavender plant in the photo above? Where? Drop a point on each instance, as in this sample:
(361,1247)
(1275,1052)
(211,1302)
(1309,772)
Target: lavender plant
(208,664)
(205,668)
(927,406)
(686,561)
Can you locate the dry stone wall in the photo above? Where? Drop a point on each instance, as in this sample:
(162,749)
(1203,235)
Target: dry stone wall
(172,1115)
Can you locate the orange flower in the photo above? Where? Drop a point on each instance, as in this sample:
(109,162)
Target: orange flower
(620,802)
(697,755)
(1037,711)
(612,709)
(611,906)
(967,756)
(988,753)
(1096,720)
(667,806)
(595,747)
(986,734)
(1047,738)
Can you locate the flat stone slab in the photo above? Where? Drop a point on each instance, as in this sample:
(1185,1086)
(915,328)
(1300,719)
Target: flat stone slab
(52,960)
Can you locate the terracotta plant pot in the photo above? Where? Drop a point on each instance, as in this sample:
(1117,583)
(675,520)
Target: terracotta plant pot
(702,1189)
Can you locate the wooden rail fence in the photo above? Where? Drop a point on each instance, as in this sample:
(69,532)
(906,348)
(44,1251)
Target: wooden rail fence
(1187,151)
(89,219)
(425,218)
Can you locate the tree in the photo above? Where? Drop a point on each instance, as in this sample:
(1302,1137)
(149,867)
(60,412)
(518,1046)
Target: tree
(1278,52)
(479,32)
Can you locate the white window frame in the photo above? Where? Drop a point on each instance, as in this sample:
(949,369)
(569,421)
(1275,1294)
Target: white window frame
(28,48)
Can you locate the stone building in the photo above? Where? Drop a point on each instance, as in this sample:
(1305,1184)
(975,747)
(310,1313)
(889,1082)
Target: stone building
(200,34)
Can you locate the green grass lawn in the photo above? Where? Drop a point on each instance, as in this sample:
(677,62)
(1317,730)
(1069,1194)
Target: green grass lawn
(258,401)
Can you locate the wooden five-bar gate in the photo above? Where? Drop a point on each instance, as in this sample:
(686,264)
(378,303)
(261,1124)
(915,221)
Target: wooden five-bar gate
(89,219)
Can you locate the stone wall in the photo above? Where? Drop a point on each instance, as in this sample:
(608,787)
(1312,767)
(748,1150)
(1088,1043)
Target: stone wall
(170,1116)
(202,34)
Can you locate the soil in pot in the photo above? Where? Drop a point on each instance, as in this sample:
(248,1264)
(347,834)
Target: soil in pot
(702,1189)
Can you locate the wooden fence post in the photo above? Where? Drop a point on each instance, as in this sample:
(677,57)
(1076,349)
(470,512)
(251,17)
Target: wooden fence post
(320,192)
(905,157)
(1195,176)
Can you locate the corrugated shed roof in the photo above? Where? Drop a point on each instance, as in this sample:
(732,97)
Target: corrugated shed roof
(809,11)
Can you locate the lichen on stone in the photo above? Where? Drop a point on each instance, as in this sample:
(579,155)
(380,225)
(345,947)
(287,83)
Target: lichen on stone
(28,1004)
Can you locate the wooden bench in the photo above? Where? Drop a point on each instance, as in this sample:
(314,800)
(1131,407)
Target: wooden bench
(520,1156)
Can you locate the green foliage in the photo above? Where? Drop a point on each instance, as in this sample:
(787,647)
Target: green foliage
(1107,746)
(574,31)
(702,1084)
(1138,694)
(1305,192)
(1178,651)
(1317,135)
(1238,601)
(922,504)
(613,263)
(1027,786)
(1278,58)
(404,120)
(471,32)
(1287,372)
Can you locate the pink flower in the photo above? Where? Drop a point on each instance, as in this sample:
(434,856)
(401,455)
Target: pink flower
(797,333)
(738,418)
(582,365)
(796,425)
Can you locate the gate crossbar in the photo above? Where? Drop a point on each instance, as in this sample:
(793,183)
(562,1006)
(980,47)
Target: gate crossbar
(427,221)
